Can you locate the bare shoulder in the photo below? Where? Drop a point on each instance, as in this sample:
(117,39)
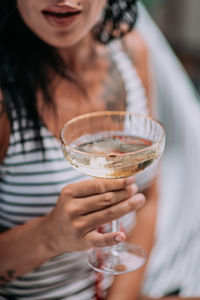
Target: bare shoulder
(138,52)
(4,130)
(135,44)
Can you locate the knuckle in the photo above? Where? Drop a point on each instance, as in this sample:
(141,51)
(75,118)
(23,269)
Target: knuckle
(123,183)
(129,191)
(109,213)
(67,191)
(109,198)
(78,226)
(137,201)
(96,243)
(109,241)
(100,187)
(134,189)
(71,209)
(126,208)
(104,241)
(132,204)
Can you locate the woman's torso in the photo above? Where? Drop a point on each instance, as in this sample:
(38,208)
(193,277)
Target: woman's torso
(30,184)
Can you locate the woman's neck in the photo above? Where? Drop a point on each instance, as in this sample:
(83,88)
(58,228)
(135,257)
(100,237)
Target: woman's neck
(77,57)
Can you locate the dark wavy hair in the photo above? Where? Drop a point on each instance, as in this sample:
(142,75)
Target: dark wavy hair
(24,58)
(118,19)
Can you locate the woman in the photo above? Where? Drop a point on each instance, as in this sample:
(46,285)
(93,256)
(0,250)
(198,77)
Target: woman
(55,66)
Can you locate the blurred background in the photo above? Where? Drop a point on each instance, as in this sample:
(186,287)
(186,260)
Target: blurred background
(179,20)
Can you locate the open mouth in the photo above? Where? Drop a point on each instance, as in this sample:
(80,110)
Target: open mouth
(61,14)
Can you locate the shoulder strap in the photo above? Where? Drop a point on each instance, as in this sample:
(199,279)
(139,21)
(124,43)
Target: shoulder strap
(135,92)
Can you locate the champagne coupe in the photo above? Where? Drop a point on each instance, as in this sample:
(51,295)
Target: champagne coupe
(113,144)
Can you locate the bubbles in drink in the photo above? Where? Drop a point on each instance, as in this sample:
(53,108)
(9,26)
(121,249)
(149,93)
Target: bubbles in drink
(114,144)
(111,155)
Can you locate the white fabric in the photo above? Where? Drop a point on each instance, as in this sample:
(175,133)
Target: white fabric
(174,263)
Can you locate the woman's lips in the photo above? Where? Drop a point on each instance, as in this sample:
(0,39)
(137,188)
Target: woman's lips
(61,16)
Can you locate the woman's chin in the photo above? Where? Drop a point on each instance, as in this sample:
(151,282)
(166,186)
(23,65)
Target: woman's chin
(63,42)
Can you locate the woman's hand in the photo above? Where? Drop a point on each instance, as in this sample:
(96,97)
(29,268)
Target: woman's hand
(83,207)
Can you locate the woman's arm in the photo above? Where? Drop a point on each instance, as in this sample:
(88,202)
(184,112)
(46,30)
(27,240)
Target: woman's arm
(71,226)
(23,248)
(127,287)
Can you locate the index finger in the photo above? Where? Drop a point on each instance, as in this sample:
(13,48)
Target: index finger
(99,186)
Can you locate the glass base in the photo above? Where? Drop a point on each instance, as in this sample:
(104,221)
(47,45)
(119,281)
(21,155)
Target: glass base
(119,259)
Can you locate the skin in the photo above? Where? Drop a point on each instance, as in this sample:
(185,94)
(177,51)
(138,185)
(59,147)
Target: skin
(71,226)
(81,208)
(66,37)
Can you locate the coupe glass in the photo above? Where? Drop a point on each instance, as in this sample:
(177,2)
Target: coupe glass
(113,144)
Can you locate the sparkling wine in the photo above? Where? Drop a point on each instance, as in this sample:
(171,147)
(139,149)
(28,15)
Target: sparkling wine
(111,155)
(113,144)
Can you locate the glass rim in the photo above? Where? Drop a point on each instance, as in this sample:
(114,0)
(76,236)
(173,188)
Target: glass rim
(110,112)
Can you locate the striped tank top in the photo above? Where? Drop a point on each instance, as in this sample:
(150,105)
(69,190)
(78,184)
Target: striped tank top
(30,186)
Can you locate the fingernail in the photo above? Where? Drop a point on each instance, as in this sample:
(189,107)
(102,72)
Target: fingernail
(120,238)
(138,200)
(130,179)
(134,188)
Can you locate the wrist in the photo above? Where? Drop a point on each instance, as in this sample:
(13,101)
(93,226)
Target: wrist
(48,243)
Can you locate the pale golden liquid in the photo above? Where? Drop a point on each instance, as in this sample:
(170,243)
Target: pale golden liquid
(111,163)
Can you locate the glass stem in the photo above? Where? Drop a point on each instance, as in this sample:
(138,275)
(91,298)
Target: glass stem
(115,228)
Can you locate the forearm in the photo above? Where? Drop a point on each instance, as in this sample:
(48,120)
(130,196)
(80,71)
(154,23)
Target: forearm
(127,286)
(23,248)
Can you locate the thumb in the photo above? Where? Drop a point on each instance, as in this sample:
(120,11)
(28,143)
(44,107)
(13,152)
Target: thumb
(97,239)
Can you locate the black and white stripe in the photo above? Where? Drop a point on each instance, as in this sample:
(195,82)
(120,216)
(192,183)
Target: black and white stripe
(30,186)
